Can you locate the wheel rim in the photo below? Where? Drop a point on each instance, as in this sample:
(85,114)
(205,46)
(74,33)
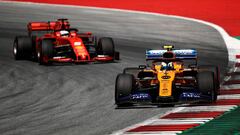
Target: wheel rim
(38,55)
(15,49)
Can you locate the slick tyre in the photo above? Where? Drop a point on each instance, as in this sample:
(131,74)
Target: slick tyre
(206,84)
(216,72)
(34,54)
(106,46)
(123,88)
(45,52)
(22,48)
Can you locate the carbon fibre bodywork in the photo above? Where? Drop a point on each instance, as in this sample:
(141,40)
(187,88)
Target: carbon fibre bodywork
(169,80)
(57,42)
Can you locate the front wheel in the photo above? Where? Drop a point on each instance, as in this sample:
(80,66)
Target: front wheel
(45,52)
(123,89)
(106,47)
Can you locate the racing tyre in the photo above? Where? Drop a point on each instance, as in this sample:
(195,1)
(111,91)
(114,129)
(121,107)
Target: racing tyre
(123,88)
(117,55)
(216,72)
(106,46)
(22,47)
(34,50)
(206,84)
(45,52)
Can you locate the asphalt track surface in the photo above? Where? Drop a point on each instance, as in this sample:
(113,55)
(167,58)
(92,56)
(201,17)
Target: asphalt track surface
(79,99)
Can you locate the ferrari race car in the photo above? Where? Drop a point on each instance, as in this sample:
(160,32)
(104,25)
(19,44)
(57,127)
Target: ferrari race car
(174,77)
(49,42)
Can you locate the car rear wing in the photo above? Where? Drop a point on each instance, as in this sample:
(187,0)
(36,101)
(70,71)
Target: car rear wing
(41,26)
(47,26)
(181,54)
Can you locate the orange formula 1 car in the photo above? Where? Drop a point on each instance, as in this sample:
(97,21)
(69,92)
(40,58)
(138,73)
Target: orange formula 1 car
(173,77)
(49,42)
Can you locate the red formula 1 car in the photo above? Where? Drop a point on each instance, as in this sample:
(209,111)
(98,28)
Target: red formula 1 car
(49,42)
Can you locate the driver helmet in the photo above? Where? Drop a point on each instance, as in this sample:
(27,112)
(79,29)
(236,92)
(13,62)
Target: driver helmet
(163,66)
(170,65)
(64,33)
(167,66)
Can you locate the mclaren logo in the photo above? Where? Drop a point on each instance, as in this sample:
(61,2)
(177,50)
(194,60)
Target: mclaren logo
(166,77)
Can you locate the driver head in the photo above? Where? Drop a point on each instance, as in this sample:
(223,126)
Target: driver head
(64,33)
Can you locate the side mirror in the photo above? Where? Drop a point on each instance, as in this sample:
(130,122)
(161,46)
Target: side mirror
(142,66)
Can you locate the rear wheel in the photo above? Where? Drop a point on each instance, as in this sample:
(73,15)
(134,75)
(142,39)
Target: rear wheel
(123,88)
(106,46)
(216,72)
(45,52)
(206,84)
(22,48)
(34,52)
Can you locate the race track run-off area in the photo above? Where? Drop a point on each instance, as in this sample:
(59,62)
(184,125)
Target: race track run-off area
(68,99)
(224,13)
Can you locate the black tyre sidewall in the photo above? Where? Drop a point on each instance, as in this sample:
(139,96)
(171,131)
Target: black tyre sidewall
(124,86)
(215,70)
(34,48)
(24,47)
(206,84)
(46,50)
(106,46)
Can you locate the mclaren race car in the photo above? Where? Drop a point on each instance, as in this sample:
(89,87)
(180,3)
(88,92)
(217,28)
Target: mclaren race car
(173,77)
(55,41)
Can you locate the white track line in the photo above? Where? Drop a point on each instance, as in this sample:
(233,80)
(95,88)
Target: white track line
(146,122)
(155,133)
(178,121)
(230,87)
(208,109)
(234,96)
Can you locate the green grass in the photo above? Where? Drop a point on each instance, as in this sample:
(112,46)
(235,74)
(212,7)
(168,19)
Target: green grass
(227,124)
(238,37)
